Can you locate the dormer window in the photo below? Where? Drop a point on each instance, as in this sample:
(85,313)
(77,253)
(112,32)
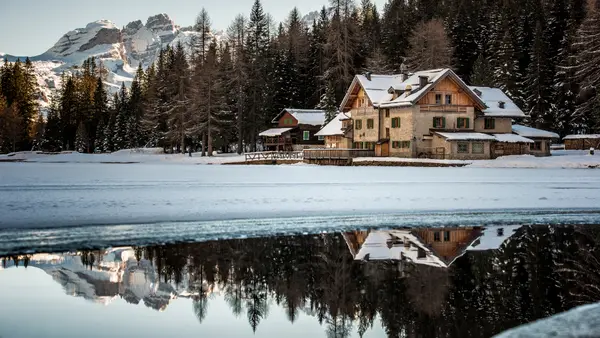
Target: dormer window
(500,231)
(478,92)
(501,104)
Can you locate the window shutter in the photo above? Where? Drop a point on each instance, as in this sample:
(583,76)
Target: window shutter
(467,120)
(493,123)
(443,122)
(399,122)
(434,125)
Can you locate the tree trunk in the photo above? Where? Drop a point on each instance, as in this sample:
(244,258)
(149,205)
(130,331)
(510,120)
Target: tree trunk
(204,143)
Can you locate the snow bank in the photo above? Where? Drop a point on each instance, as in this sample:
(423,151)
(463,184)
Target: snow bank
(580,322)
(141,155)
(566,159)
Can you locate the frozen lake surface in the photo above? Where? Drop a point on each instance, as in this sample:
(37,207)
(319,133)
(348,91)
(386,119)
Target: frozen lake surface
(158,202)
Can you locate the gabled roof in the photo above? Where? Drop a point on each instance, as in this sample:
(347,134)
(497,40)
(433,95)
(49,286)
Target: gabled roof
(532,132)
(493,97)
(491,238)
(274,132)
(377,88)
(582,136)
(314,117)
(512,138)
(334,127)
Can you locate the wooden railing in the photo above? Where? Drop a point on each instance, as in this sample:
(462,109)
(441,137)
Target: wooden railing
(336,154)
(273,156)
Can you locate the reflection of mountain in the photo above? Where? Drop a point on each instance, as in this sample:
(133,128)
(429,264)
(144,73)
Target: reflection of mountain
(490,279)
(115,273)
(437,247)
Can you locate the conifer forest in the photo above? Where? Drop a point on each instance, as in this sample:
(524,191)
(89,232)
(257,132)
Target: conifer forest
(219,94)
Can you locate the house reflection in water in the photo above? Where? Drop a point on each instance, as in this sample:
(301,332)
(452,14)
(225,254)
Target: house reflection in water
(437,247)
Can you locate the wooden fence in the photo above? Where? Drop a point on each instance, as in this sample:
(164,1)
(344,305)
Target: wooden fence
(336,154)
(273,156)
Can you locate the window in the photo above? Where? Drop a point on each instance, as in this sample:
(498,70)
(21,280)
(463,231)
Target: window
(462,123)
(358,124)
(396,122)
(387,113)
(438,98)
(437,237)
(370,145)
(370,124)
(478,148)
(439,122)
(306,135)
(489,124)
(405,144)
(321,138)
(356,145)
(536,146)
(421,253)
(448,99)
(500,231)
(446,236)
(387,133)
(463,147)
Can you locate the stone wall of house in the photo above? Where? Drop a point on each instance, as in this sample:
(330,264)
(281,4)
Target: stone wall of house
(365,134)
(503,126)
(451,149)
(424,122)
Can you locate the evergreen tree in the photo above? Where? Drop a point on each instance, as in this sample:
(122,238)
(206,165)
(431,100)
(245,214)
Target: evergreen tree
(100,114)
(585,118)
(461,24)
(122,113)
(483,74)
(430,47)
(506,68)
(52,133)
(328,103)
(136,109)
(82,140)
(396,27)
(539,81)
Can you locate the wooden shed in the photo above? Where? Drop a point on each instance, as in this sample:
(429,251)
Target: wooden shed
(542,139)
(582,142)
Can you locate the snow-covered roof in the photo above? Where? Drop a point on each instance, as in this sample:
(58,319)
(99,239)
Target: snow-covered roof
(313,117)
(274,132)
(581,136)
(379,88)
(492,238)
(512,138)
(405,246)
(334,127)
(466,136)
(493,97)
(532,132)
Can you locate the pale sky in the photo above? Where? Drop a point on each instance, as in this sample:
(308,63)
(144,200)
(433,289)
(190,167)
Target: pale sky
(30,28)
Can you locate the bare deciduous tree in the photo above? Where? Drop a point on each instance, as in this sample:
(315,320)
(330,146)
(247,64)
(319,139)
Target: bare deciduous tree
(430,47)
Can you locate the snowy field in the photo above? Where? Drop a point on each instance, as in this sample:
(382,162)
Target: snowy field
(155,202)
(571,159)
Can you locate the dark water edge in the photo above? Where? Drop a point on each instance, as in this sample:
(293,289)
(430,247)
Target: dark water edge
(413,282)
(94,236)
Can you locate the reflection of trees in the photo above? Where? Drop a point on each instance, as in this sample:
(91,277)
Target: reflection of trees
(538,272)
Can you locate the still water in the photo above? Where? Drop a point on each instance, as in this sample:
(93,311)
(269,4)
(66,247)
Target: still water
(420,282)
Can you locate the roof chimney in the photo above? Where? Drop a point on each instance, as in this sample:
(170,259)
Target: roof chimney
(368,75)
(423,81)
(501,104)
(478,92)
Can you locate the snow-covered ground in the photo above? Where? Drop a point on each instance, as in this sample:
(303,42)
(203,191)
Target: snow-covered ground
(149,155)
(189,202)
(574,159)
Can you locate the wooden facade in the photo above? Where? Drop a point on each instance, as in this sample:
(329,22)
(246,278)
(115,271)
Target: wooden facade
(582,143)
(448,243)
(294,139)
(505,148)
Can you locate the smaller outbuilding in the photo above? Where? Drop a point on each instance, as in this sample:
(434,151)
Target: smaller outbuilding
(294,129)
(337,132)
(542,139)
(582,142)
(463,146)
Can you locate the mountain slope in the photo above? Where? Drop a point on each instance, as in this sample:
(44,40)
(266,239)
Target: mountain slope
(120,51)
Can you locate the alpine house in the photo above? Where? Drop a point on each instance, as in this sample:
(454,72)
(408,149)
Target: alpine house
(432,114)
